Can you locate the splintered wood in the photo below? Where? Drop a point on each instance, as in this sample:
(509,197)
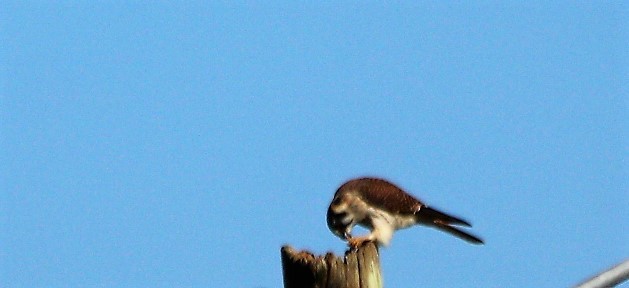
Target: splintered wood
(359,268)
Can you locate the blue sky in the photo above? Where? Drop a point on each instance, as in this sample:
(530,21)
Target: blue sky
(160,145)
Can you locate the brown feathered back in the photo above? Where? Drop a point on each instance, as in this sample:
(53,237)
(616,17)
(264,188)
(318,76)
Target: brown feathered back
(382,194)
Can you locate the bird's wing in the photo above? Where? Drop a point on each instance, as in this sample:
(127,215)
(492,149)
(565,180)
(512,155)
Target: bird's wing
(384,195)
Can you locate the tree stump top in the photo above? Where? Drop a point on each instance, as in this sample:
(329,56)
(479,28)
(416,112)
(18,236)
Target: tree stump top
(358,268)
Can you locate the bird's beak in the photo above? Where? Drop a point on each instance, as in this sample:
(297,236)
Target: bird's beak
(346,235)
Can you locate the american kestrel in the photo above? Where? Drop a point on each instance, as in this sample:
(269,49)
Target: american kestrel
(383,208)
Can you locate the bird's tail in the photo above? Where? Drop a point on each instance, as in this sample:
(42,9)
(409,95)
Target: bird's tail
(445,222)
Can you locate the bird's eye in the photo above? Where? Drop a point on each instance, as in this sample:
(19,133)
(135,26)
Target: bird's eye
(344,218)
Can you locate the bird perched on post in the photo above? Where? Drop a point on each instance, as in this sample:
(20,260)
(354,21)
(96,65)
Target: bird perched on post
(382,207)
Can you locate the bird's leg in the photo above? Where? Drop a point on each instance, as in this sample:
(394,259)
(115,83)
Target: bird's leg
(356,242)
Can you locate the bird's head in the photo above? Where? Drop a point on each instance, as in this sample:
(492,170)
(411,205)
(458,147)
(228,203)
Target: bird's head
(339,221)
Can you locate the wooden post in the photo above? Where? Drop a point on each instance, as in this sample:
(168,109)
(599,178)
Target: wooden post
(359,268)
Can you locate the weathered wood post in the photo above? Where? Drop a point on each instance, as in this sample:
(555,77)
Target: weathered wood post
(359,268)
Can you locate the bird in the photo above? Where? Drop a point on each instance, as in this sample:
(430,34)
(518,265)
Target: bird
(382,207)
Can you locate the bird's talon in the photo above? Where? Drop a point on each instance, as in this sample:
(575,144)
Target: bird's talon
(355,243)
